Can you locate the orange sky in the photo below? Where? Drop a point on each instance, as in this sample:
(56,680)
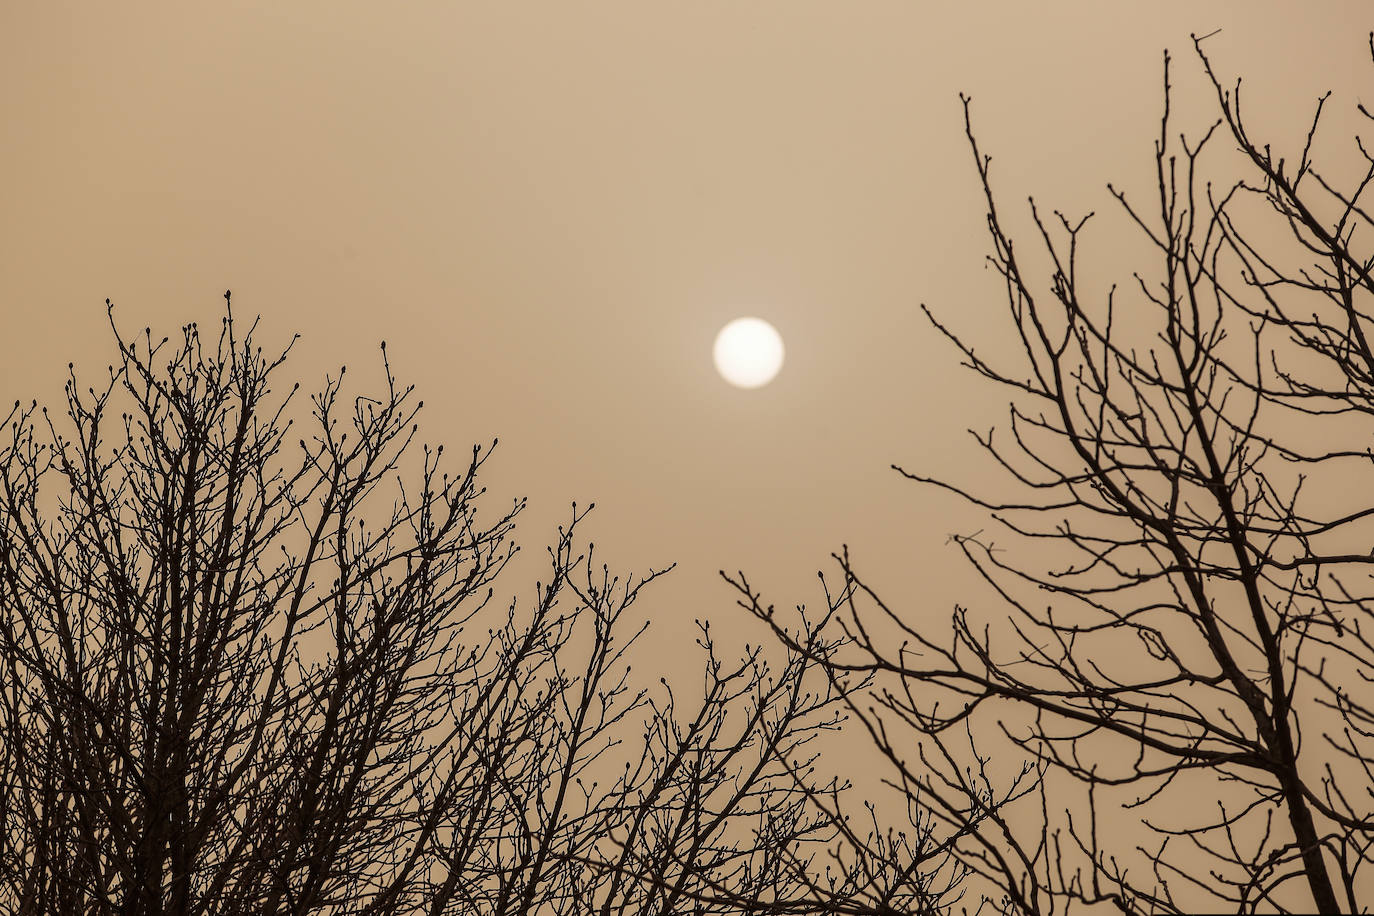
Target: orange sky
(549,209)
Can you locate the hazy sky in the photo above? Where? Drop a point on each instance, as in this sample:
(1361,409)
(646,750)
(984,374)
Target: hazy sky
(549,209)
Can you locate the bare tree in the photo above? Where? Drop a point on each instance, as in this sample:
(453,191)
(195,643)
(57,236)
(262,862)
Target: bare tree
(1180,636)
(253,671)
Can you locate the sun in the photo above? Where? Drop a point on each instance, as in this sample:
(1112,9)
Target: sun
(748,352)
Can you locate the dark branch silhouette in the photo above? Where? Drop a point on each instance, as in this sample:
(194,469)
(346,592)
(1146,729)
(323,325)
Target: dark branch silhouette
(1180,563)
(254,662)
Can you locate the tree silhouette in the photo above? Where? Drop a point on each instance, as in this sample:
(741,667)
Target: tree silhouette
(254,670)
(1180,636)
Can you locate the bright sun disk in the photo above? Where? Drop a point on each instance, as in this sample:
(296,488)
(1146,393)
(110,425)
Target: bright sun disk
(748,352)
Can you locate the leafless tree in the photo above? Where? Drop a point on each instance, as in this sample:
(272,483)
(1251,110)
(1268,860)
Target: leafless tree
(252,671)
(1179,557)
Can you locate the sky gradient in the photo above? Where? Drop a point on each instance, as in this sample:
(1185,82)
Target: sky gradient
(549,210)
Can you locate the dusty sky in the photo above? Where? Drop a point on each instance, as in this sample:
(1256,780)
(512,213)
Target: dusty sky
(549,209)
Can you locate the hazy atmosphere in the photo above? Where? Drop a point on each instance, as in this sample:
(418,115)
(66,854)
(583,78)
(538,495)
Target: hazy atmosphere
(549,210)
